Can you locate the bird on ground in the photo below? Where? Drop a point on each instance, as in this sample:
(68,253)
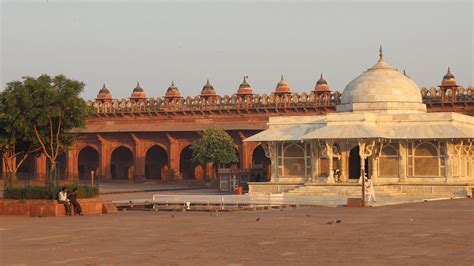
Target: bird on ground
(307,215)
(338,221)
(258,219)
(172,216)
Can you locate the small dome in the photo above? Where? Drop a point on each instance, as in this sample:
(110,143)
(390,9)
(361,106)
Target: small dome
(172,91)
(244,88)
(138,92)
(448,79)
(382,88)
(104,93)
(208,89)
(104,90)
(321,85)
(282,86)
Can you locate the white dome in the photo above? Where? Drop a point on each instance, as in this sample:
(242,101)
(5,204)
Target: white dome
(382,88)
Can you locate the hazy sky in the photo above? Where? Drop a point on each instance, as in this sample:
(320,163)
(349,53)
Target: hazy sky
(155,42)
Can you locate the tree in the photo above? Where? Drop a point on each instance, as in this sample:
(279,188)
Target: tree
(214,146)
(16,137)
(50,108)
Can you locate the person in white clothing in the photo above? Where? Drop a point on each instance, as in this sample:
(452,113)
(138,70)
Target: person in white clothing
(62,199)
(369,188)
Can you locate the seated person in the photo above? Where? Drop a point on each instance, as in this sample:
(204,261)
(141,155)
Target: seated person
(73,199)
(62,199)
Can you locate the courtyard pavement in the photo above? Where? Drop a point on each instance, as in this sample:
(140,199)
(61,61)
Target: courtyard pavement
(428,233)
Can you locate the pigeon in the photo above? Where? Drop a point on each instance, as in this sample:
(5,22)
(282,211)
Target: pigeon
(258,219)
(338,221)
(330,222)
(172,216)
(307,215)
(281,210)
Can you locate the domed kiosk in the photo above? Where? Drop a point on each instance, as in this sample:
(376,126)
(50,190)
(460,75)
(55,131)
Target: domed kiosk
(380,130)
(382,88)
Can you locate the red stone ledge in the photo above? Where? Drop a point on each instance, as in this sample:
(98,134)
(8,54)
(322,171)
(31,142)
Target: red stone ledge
(44,208)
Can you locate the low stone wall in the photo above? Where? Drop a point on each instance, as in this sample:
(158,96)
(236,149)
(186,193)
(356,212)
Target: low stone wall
(43,208)
(267,188)
(437,190)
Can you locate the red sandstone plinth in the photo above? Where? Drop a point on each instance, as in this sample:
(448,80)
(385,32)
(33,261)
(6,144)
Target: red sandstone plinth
(43,208)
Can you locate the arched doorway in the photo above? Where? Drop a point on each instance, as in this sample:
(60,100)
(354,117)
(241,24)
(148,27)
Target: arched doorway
(354,164)
(186,164)
(156,163)
(261,161)
(88,160)
(121,166)
(61,166)
(27,168)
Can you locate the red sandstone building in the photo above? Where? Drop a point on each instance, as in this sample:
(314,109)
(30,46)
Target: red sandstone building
(142,138)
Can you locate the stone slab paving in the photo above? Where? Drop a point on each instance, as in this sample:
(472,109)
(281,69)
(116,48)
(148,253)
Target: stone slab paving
(427,233)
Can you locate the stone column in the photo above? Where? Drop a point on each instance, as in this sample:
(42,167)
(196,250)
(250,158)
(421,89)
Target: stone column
(314,161)
(375,173)
(330,153)
(40,167)
(72,158)
(105,158)
(174,158)
(402,162)
(139,158)
(344,158)
(274,159)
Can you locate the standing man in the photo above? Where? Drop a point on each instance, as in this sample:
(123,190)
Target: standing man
(73,199)
(370,189)
(62,199)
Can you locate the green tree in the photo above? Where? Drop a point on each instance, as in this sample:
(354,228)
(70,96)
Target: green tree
(17,141)
(214,146)
(50,108)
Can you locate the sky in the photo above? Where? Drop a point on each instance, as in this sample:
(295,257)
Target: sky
(156,42)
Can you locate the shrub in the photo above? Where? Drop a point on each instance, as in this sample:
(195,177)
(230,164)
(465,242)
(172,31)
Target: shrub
(43,192)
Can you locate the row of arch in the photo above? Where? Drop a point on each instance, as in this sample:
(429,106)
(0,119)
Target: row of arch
(424,159)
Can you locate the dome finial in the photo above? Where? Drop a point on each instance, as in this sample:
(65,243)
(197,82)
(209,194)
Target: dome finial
(380,53)
(138,84)
(172,83)
(449,70)
(282,77)
(321,76)
(103,86)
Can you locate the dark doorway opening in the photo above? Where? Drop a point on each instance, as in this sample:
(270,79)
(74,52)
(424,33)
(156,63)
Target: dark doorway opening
(186,164)
(354,164)
(88,160)
(121,166)
(260,161)
(156,163)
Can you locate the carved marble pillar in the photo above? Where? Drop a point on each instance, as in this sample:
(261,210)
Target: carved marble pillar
(314,161)
(402,162)
(330,154)
(344,158)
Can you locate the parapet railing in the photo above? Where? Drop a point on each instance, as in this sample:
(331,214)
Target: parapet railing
(217,103)
(247,102)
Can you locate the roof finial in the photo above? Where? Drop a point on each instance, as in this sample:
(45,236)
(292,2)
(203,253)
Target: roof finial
(245,79)
(282,77)
(449,70)
(321,77)
(172,83)
(380,54)
(104,87)
(138,84)
(208,83)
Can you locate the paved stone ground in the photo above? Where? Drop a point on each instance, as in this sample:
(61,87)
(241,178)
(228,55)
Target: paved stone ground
(428,233)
